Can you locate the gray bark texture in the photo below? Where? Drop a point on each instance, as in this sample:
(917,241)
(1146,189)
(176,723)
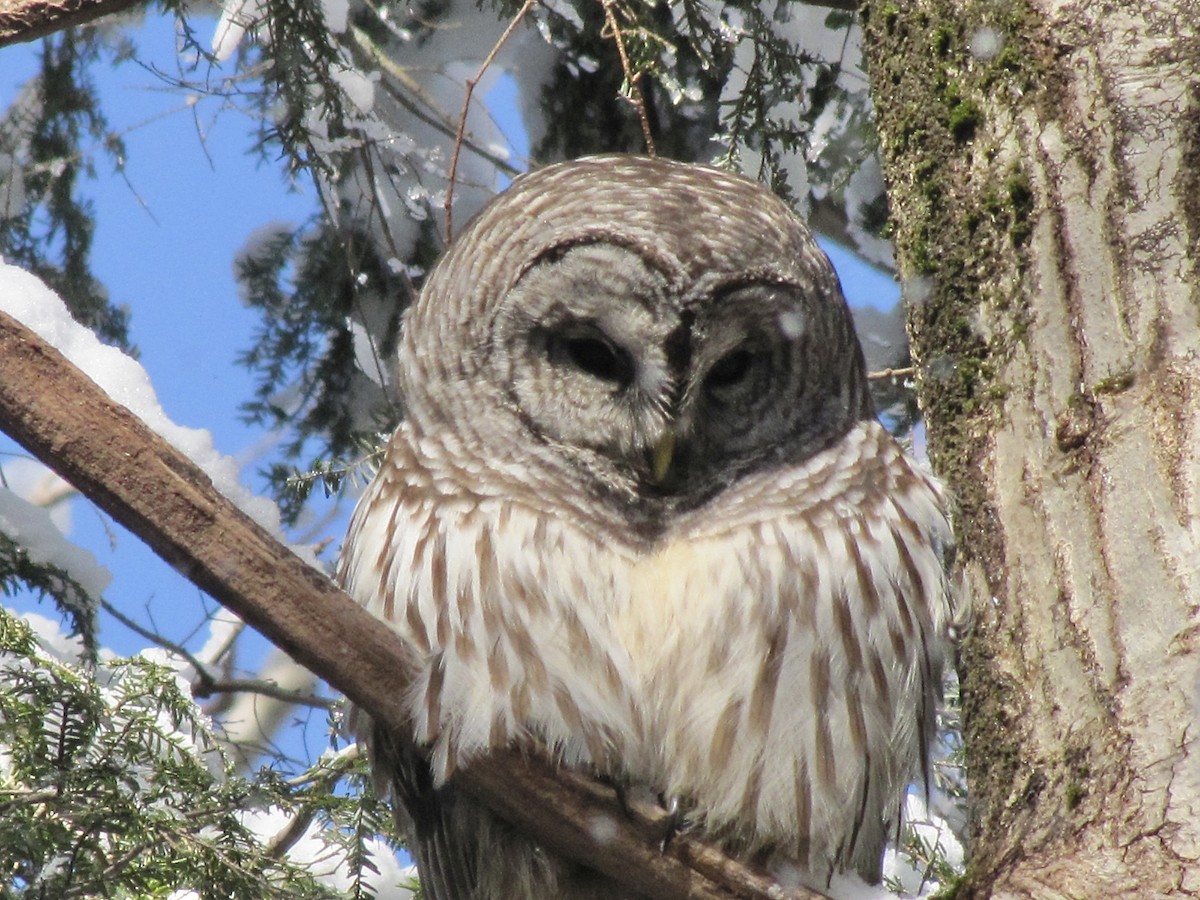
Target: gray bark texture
(1043,161)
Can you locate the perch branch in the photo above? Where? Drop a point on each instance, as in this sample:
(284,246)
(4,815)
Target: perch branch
(28,20)
(59,415)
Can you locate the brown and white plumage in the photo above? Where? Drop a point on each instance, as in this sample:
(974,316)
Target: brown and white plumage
(639,511)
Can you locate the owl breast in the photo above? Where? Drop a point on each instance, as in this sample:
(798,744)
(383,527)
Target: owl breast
(761,660)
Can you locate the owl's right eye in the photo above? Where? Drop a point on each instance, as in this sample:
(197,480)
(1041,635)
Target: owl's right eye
(730,370)
(595,356)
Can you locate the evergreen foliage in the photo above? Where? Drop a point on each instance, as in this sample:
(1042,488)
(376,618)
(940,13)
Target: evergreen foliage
(45,224)
(114,784)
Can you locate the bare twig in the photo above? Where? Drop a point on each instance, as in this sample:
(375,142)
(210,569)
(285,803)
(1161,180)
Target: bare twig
(885,374)
(12,799)
(285,839)
(206,688)
(422,107)
(323,775)
(462,119)
(634,80)
(158,640)
(206,683)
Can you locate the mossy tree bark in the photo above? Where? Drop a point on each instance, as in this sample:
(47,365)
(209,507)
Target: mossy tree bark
(1043,160)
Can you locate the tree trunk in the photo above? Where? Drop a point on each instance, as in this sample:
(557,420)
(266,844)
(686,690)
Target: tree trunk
(1043,161)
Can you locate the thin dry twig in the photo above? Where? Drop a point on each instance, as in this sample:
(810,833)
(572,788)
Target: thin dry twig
(885,374)
(204,689)
(462,119)
(634,80)
(207,684)
(417,101)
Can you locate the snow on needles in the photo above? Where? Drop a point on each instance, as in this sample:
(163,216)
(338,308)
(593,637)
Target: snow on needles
(237,16)
(24,297)
(32,528)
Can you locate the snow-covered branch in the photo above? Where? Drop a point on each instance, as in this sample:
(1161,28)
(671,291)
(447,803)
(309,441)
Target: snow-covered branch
(28,20)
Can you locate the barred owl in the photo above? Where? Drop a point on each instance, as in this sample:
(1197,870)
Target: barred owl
(640,512)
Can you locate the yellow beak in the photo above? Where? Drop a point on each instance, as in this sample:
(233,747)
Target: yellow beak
(664,452)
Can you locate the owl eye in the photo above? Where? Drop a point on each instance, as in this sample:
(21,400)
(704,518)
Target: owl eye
(595,356)
(730,370)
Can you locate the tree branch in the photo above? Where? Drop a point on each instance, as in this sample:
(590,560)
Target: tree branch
(27,20)
(63,418)
(612,29)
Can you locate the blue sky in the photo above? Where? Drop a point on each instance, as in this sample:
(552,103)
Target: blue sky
(166,236)
(167,232)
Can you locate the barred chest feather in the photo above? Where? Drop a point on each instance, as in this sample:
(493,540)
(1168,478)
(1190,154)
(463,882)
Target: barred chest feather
(762,662)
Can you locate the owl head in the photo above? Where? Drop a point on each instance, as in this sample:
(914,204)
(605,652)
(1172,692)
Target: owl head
(644,329)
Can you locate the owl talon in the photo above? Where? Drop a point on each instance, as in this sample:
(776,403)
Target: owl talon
(621,790)
(674,822)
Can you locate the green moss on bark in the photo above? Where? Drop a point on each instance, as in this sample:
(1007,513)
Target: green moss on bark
(955,208)
(945,76)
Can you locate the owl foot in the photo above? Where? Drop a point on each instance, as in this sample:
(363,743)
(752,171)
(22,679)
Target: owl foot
(674,822)
(639,804)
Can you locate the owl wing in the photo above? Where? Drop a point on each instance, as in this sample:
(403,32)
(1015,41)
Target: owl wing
(794,688)
(449,868)
(485,591)
(423,809)
(462,851)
